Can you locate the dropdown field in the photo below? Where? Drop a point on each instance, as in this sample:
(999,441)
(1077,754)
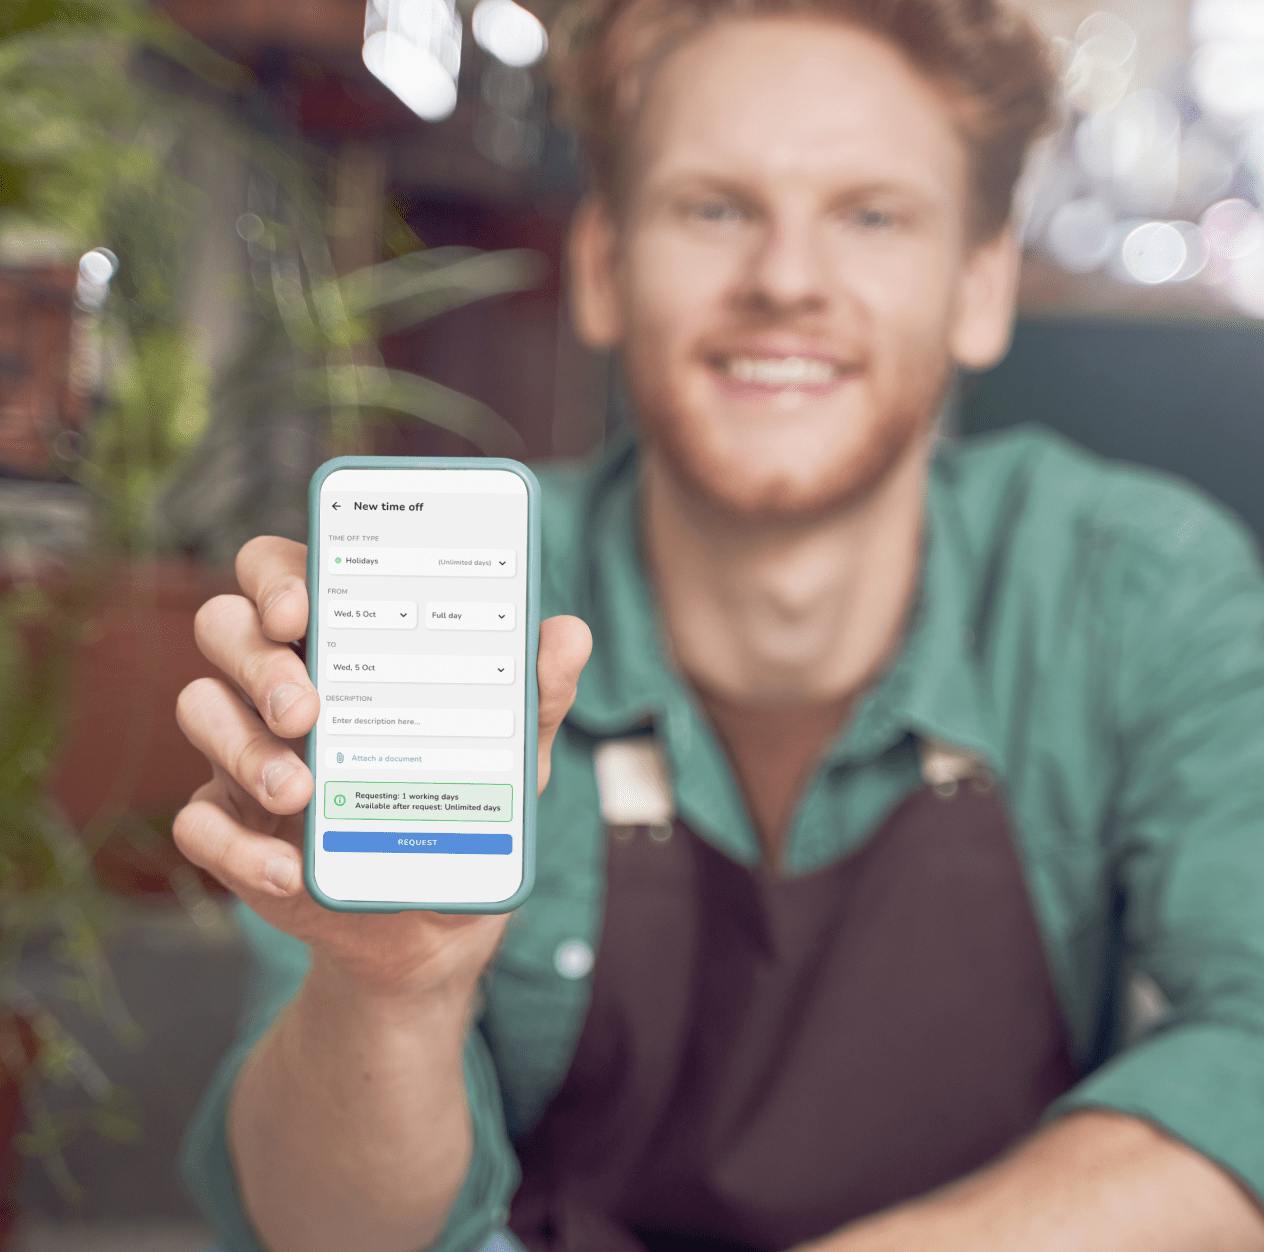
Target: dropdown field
(371,614)
(469,615)
(406,667)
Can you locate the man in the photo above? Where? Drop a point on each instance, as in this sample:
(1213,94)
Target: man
(894,757)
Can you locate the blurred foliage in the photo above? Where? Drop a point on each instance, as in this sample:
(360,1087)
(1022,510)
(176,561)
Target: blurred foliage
(100,99)
(48,891)
(86,142)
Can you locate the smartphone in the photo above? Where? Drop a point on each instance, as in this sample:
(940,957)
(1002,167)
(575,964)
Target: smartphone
(423,577)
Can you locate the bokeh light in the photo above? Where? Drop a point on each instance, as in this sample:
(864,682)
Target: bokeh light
(1153,253)
(509,32)
(1081,234)
(414,48)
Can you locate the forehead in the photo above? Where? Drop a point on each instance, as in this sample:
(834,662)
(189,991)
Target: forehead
(805,97)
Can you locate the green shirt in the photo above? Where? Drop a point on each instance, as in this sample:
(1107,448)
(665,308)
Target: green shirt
(1093,631)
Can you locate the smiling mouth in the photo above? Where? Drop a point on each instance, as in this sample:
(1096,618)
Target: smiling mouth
(775,373)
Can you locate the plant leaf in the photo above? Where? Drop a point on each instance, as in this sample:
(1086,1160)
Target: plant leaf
(413,288)
(398,391)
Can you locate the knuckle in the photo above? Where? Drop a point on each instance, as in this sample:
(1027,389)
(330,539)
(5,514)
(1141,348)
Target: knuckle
(287,587)
(262,557)
(555,702)
(193,700)
(247,761)
(180,829)
(263,668)
(189,830)
(283,584)
(249,550)
(217,614)
(222,842)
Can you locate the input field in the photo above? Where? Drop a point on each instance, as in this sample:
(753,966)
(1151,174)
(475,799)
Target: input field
(372,615)
(469,615)
(422,562)
(375,760)
(404,667)
(439,723)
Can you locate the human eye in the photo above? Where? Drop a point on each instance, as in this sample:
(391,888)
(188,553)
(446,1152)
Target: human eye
(717,209)
(876,219)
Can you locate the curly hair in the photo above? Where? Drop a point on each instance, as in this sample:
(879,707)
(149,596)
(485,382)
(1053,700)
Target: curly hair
(993,64)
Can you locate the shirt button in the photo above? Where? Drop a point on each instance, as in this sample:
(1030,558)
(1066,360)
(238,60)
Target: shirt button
(573,958)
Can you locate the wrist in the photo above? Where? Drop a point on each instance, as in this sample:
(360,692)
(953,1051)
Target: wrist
(331,989)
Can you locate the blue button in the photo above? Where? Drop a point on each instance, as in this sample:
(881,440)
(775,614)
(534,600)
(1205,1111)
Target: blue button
(402,841)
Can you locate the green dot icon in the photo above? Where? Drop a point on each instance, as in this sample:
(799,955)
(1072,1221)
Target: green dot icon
(340,799)
(337,560)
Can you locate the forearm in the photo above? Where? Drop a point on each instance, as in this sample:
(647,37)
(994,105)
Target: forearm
(1096,1182)
(348,1124)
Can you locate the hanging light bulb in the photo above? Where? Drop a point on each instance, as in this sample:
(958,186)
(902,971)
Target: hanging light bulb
(414,48)
(509,32)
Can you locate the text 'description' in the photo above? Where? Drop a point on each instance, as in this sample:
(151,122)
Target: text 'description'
(439,723)
(386,667)
(422,562)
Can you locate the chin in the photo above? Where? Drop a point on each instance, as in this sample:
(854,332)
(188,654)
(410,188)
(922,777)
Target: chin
(776,479)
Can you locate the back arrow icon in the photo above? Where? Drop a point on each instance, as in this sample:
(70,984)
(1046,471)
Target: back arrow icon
(336,504)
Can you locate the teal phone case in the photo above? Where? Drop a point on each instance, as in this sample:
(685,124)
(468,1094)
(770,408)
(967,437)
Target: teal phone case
(531,716)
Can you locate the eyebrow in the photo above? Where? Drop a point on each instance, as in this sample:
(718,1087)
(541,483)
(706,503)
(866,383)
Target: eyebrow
(703,179)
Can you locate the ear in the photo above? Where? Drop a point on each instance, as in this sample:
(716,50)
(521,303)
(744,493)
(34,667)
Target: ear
(984,323)
(594,302)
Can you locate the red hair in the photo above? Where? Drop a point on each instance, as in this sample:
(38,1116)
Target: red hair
(992,62)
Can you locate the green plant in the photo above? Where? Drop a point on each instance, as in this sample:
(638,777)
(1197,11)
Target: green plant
(100,97)
(48,894)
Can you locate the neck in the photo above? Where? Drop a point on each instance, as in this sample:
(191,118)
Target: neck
(784,613)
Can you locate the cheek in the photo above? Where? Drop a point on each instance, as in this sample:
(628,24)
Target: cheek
(672,292)
(907,305)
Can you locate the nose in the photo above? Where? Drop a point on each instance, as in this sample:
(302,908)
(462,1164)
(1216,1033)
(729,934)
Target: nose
(786,269)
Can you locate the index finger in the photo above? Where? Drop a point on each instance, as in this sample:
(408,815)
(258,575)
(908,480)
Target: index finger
(272,572)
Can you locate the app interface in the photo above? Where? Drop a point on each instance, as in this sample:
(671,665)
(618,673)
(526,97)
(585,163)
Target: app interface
(419,749)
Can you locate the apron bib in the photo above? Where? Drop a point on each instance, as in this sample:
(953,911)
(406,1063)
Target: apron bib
(768,1058)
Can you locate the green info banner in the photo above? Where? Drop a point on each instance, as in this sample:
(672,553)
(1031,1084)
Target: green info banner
(419,801)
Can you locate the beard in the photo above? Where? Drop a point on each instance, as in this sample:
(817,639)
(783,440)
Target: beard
(747,479)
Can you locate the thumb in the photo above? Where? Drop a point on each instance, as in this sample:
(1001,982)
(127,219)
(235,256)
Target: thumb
(565,646)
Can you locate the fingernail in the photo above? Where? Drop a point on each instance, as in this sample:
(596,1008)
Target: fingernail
(274,775)
(282,698)
(280,873)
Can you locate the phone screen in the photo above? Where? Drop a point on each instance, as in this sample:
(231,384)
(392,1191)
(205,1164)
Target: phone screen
(419,754)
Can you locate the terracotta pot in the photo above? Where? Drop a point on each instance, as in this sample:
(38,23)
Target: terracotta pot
(36,337)
(122,765)
(18,1050)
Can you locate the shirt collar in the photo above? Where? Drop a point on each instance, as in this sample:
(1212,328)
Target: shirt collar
(936,687)
(933,688)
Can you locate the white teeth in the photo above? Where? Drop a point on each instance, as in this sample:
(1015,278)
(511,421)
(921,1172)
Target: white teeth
(787,371)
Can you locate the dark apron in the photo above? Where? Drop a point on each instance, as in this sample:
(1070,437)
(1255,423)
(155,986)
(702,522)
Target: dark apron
(766,1059)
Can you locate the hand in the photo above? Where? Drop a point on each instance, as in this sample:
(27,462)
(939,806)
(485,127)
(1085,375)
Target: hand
(245,826)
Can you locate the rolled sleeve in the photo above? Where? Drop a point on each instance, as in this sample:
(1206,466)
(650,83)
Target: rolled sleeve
(1188,838)
(279,965)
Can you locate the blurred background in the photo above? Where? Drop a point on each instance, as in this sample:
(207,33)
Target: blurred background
(237,238)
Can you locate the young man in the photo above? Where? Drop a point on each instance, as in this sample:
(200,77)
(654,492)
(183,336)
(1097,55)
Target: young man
(935,743)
